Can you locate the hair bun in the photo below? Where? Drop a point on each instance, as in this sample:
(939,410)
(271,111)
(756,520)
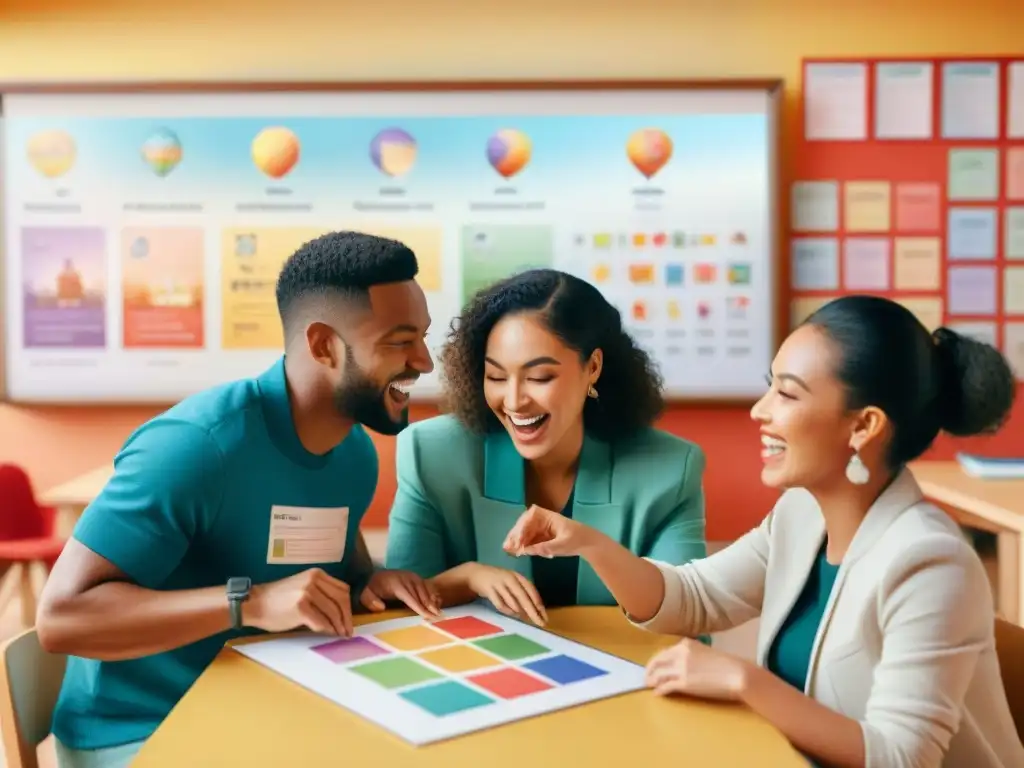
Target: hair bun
(976,385)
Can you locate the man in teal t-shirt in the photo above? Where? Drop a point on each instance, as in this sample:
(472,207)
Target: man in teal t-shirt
(238,510)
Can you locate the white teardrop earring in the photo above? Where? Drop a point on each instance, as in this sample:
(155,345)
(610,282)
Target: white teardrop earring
(856,472)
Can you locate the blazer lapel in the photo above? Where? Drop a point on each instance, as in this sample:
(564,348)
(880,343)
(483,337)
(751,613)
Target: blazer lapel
(503,501)
(593,506)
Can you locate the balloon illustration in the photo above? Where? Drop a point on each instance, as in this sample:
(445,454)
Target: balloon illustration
(52,153)
(275,151)
(508,151)
(649,150)
(162,151)
(393,151)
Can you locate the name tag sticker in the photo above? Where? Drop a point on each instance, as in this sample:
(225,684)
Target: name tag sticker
(307,535)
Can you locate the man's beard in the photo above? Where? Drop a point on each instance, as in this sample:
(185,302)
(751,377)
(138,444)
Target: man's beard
(360,399)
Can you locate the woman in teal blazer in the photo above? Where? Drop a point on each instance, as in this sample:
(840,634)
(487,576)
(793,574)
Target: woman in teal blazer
(552,405)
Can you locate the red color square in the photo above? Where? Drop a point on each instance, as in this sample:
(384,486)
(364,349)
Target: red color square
(509,683)
(466,627)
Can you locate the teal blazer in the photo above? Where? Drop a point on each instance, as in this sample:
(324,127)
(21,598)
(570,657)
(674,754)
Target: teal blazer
(460,493)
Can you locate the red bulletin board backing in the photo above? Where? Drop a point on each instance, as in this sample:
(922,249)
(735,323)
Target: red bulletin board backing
(908,182)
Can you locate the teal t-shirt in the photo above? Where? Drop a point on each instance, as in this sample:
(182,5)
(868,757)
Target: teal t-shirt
(790,654)
(189,506)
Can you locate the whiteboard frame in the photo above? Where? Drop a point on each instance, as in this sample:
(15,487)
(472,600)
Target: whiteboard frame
(773,87)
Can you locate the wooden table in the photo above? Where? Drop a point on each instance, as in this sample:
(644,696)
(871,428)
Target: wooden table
(240,713)
(996,506)
(72,497)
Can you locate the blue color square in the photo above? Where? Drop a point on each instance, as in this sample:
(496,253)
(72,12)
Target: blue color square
(564,669)
(673,274)
(446,698)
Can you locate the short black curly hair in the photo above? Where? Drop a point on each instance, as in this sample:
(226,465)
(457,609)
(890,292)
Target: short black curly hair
(340,264)
(629,388)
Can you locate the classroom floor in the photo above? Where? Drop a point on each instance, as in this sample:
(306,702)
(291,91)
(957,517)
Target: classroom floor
(741,641)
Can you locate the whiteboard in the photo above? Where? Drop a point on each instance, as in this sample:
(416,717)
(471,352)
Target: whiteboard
(143,231)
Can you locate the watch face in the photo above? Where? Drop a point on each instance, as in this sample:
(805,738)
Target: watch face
(239,585)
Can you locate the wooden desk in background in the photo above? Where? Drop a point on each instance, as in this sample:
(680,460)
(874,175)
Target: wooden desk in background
(241,713)
(996,506)
(72,497)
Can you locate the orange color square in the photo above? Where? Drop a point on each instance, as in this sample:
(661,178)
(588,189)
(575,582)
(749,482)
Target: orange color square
(413,638)
(639,240)
(639,310)
(641,273)
(459,658)
(509,683)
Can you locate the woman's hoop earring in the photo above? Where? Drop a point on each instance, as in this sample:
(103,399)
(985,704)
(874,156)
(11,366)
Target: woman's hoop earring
(592,392)
(856,472)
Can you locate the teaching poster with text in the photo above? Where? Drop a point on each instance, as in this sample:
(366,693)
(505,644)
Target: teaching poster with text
(145,234)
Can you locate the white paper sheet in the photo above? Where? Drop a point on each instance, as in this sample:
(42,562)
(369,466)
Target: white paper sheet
(903,100)
(970,100)
(836,102)
(1015,90)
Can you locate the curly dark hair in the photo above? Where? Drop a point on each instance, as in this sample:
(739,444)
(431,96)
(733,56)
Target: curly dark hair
(577,313)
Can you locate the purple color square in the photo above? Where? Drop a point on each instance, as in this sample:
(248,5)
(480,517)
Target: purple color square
(346,650)
(564,669)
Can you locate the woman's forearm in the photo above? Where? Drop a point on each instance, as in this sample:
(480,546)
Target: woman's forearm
(453,585)
(636,584)
(824,735)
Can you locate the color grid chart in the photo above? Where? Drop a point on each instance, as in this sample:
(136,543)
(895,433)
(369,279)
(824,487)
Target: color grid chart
(427,682)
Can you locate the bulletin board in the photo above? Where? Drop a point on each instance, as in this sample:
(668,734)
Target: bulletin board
(909,183)
(144,227)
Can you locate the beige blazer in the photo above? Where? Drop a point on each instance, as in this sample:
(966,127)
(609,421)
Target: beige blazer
(906,644)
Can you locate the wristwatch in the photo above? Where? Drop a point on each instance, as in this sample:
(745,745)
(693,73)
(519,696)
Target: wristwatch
(238,593)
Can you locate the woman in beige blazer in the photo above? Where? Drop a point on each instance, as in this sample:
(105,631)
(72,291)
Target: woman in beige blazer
(876,640)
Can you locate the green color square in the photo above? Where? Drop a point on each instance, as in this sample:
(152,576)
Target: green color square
(511,647)
(395,673)
(493,252)
(446,698)
(973,174)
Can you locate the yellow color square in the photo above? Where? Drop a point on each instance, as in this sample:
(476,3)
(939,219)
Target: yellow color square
(413,638)
(867,206)
(918,263)
(459,658)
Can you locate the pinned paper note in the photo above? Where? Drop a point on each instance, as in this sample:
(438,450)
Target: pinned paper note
(1013,225)
(1015,97)
(815,263)
(815,206)
(972,290)
(970,100)
(803,307)
(972,233)
(928,311)
(866,263)
(867,206)
(918,262)
(979,331)
(918,207)
(1015,173)
(1013,347)
(973,174)
(1013,291)
(835,101)
(903,100)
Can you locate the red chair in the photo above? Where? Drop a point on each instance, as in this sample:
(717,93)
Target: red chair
(28,544)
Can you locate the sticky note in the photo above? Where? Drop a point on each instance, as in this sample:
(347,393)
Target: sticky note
(971,290)
(835,101)
(1013,224)
(1013,291)
(903,100)
(1015,173)
(866,206)
(805,306)
(928,311)
(972,233)
(815,206)
(918,207)
(866,263)
(815,263)
(970,100)
(918,262)
(973,174)
(979,331)
(1013,347)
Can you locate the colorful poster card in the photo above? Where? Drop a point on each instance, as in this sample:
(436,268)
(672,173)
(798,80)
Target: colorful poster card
(972,290)
(866,263)
(1015,173)
(984,332)
(918,208)
(815,206)
(251,260)
(970,100)
(972,233)
(815,263)
(973,174)
(927,310)
(1014,230)
(162,278)
(64,279)
(836,101)
(425,242)
(491,252)
(903,100)
(1013,347)
(918,264)
(867,206)
(1013,291)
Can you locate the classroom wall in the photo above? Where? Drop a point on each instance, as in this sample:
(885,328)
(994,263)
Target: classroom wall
(82,40)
